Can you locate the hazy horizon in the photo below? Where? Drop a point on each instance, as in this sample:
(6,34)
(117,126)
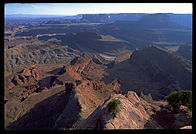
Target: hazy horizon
(71,9)
(90,13)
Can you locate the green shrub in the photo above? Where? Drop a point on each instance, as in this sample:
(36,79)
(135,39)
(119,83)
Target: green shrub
(110,64)
(183,97)
(114,107)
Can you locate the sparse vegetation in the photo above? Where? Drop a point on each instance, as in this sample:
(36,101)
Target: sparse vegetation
(183,97)
(114,107)
(110,64)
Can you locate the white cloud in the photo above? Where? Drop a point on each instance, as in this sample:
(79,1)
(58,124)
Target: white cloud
(85,8)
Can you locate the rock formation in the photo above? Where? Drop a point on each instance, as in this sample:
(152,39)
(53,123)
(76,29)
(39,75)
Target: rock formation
(135,113)
(76,67)
(29,76)
(186,127)
(32,71)
(82,68)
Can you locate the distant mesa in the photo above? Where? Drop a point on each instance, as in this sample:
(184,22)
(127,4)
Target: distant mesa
(158,19)
(108,18)
(164,66)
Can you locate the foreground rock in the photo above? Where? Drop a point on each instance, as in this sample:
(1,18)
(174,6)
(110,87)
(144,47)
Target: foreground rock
(135,113)
(186,127)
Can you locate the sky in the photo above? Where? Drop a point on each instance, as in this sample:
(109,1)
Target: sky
(95,8)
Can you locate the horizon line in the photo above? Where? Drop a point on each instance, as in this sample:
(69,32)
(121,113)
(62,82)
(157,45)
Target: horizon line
(97,13)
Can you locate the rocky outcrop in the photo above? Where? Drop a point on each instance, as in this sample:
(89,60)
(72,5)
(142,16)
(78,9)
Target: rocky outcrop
(134,113)
(85,68)
(85,98)
(186,127)
(32,71)
(76,67)
(29,76)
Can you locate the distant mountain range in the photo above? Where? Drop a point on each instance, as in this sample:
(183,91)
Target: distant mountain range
(40,16)
(182,19)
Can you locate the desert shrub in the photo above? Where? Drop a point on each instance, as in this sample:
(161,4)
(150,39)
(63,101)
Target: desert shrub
(110,64)
(114,107)
(183,97)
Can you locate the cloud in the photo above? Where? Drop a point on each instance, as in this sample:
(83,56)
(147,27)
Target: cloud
(84,8)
